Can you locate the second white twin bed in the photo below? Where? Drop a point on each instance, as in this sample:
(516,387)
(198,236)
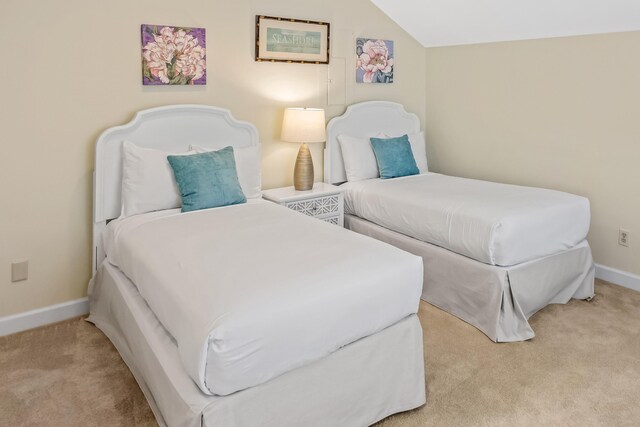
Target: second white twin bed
(494,254)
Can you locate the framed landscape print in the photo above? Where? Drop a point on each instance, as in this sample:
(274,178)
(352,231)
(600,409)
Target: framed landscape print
(291,40)
(374,61)
(173,55)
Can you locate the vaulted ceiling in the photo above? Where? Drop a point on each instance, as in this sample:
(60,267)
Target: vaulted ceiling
(456,22)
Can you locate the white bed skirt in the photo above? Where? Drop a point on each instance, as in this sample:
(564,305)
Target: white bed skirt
(357,385)
(496,300)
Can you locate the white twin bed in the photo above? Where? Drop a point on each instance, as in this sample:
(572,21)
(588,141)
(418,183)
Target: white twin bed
(249,314)
(494,254)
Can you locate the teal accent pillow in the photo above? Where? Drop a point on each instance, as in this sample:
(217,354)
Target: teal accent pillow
(207,180)
(394,157)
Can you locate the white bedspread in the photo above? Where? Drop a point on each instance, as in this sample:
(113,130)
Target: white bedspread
(493,223)
(254,290)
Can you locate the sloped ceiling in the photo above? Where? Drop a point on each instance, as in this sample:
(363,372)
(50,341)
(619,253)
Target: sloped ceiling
(457,22)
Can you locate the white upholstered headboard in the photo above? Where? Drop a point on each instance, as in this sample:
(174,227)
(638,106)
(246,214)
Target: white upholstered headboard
(170,128)
(365,119)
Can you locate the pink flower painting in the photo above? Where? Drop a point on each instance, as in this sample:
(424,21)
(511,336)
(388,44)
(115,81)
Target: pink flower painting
(173,55)
(374,62)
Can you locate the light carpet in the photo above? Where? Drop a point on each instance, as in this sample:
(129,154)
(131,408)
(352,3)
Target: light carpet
(581,369)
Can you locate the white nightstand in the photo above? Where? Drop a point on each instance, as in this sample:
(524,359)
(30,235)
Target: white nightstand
(324,202)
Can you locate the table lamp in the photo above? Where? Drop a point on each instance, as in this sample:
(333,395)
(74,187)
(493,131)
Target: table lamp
(305,125)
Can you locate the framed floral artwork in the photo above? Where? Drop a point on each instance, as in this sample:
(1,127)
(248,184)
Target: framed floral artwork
(173,55)
(374,62)
(291,40)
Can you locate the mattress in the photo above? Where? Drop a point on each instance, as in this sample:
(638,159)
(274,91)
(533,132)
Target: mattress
(255,290)
(493,223)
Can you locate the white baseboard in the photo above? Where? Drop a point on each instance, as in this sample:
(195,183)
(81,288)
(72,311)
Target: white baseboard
(43,316)
(618,277)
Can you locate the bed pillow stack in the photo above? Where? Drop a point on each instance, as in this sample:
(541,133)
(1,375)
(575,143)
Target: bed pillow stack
(360,161)
(149,183)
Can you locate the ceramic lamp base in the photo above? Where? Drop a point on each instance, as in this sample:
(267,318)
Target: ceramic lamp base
(303,172)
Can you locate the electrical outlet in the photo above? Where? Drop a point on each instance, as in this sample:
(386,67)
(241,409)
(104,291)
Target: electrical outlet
(19,271)
(624,237)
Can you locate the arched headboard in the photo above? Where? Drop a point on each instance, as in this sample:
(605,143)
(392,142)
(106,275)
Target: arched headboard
(169,128)
(365,119)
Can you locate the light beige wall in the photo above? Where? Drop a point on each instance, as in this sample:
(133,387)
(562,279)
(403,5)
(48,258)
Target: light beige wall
(72,68)
(559,113)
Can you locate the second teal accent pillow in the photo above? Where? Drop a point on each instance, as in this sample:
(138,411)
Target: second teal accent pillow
(207,180)
(394,157)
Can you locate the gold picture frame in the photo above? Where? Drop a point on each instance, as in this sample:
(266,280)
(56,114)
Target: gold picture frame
(292,40)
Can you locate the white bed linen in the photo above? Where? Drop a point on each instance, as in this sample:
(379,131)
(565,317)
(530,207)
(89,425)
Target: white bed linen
(493,223)
(254,290)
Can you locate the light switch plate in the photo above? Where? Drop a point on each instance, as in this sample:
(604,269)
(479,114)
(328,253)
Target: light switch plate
(19,271)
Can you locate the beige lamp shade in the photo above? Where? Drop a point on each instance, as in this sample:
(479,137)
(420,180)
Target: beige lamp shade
(303,125)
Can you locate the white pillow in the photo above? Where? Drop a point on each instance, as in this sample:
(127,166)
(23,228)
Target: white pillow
(359,160)
(148,183)
(419,150)
(247,166)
